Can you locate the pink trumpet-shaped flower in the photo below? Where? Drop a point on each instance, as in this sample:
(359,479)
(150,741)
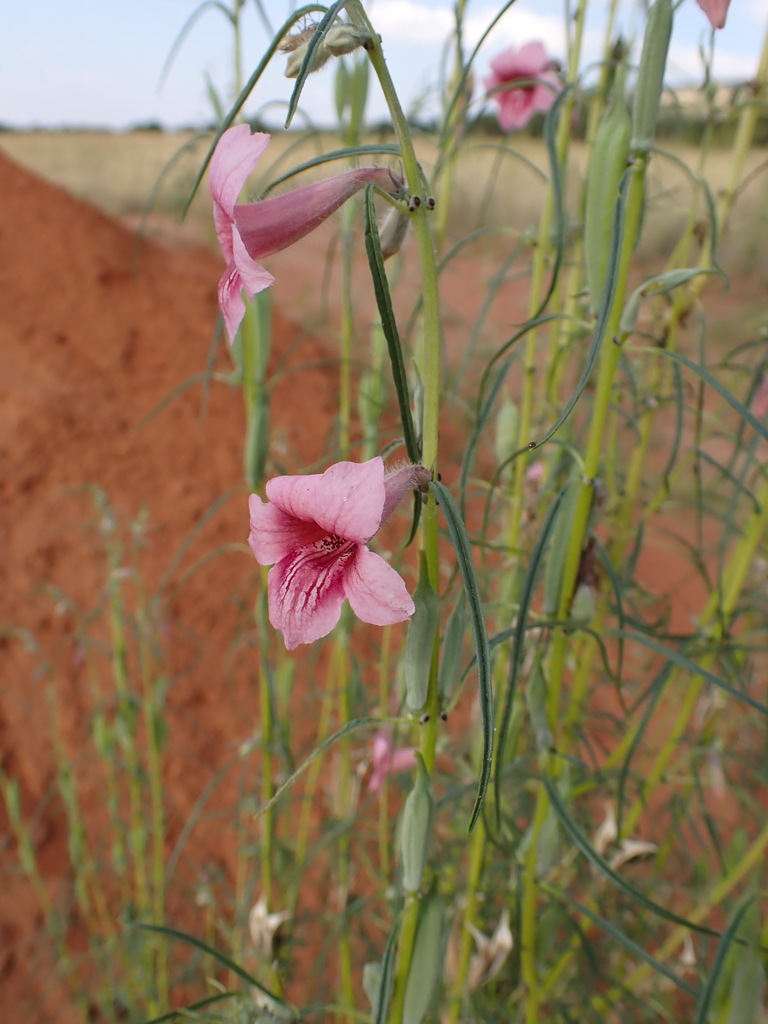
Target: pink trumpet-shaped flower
(315,529)
(388,760)
(518,103)
(715,10)
(248,232)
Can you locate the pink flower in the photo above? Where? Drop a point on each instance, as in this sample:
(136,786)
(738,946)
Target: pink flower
(715,10)
(388,760)
(518,103)
(249,232)
(315,529)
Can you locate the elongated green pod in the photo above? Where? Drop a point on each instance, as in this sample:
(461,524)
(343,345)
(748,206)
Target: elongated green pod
(358,93)
(416,830)
(650,78)
(426,962)
(257,444)
(450,651)
(420,643)
(606,167)
(558,550)
(536,698)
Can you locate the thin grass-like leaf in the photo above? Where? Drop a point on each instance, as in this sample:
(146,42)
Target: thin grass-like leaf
(245,92)
(187,1012)
(598,338)
(723,391)
(309,58)
(723,947)
(460,541)
(584,845)
(516,657)
(623,939)
(222,958)
(387,976)
(348,153)
(389,326)
(690,666)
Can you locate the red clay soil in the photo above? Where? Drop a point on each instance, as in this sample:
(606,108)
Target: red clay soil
(94,335)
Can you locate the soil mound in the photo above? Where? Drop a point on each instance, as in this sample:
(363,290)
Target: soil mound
(98,332)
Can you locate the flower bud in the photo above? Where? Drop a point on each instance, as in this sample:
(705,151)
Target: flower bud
(420,644)
(393,231)
(426,961)
(340,39)
(416,828)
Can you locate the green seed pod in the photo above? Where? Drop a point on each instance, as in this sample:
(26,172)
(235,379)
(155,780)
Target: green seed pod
(420,644)
(450,651)
(606,166)
(416,827)
(358,93)
(650,78)
(427,960)
(536,698)
(558,550)
(506,439)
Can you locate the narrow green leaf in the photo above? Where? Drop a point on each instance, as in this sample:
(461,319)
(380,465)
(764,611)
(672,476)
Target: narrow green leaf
(690,666)
(347,153)
(246,91)
(387,975)
(309,58)
(460,541)
(516,657)
(224,960)
(723,391)
(723,947)
(389,326)
(602,864)
(625,941)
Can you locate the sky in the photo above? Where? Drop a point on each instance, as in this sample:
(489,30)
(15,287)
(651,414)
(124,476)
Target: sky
(98,63)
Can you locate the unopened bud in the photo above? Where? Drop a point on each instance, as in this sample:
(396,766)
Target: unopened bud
(583,605)
(392,231)
(416,827)
(340,39)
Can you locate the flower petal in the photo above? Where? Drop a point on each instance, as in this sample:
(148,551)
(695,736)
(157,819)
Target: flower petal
(235,156)
(376,591)
(270,225)
(275,535)
(306,592)
(346,500)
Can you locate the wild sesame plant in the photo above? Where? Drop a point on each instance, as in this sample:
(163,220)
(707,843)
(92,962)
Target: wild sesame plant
(563,851)
(564,817)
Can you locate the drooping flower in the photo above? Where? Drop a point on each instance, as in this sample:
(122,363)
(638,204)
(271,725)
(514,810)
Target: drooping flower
(539,85)
(314,532)
(249,232)
(388,760)
(715,10)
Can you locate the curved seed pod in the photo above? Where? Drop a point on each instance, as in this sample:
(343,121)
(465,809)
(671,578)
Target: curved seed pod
(558,550)
(416,829)
(420,644)
(450,651)
(606,166)
(427,960)
(650,78)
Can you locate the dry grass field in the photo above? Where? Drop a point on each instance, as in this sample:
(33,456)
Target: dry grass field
(128,173)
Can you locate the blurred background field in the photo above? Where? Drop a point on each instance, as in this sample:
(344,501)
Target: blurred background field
(128,174)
